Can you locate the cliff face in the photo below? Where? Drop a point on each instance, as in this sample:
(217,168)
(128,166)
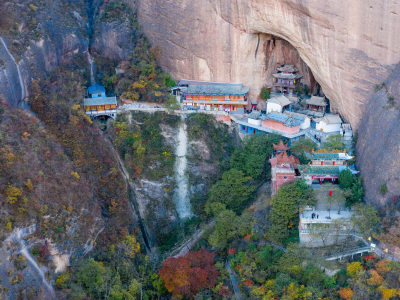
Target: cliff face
(348,47)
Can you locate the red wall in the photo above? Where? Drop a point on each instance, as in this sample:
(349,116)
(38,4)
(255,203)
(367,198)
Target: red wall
(280,179)
(280,127)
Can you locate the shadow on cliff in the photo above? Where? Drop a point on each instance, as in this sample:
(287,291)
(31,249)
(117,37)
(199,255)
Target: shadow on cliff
(378,145)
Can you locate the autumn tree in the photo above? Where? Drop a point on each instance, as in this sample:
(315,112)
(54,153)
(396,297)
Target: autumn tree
(187,276)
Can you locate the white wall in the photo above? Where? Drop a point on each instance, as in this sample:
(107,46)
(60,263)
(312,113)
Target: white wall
(273,107)
(306,124)
(328,128)
(254,122)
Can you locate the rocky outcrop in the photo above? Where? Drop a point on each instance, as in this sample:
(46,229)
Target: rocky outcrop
(37,51)
(348,47)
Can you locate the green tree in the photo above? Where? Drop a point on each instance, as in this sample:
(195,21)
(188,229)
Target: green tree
(346,179)
(171,103)
(365,218)
(384,189)
(334,141)
(286,203)
(232,190)
(89,274)
(228,226)
(169,82)
(265,93)
(356,194)
(252,157)
(300,147)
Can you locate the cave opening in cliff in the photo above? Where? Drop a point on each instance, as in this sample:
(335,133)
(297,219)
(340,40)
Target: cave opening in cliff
(284,71)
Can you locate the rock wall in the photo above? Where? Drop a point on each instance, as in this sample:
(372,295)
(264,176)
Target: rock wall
(349,47)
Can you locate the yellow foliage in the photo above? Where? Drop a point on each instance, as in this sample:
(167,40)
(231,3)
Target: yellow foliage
(9,225)
(70,208)
(29,185)
(76,107)
(25,135)
(10,157)
(75,174)
(132,246)
(354,268)
(12,193)
(387,293)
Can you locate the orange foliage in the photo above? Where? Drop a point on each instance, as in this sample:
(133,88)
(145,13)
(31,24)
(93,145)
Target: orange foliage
(346,293)
(382,266)
(375,279)
(187,276)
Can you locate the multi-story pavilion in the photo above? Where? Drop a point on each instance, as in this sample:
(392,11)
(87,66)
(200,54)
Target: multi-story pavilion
(283,167)
(287,79)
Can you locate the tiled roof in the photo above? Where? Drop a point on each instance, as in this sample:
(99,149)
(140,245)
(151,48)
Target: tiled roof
(281,100)
(281,146)
(289,121)
(255,115)
(100,101)
(318,156)
(318,101)
(317,170)
(218,89)
(96,88)
(287,76)
(330,119)
(288,68)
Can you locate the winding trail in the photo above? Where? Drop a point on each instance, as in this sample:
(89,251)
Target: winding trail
(17,238)
(187,245)
(238,294)
(21,79)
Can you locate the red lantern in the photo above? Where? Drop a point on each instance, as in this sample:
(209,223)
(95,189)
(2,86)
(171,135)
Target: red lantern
(330,193)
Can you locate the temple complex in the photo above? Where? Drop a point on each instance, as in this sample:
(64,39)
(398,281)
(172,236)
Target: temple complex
(287,79)
(229,97)
(283,167)
(97,104)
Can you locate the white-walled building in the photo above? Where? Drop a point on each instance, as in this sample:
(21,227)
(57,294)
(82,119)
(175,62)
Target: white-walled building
(278,104)
(329,123)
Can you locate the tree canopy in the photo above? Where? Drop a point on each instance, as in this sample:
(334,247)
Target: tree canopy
(186,276)
(233,191)
(286,203)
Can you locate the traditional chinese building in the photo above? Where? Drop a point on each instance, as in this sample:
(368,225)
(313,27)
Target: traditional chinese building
(283,167)
(230,97)
(278,104)
(324,167)
(287,79)
(317,105)
(97,104)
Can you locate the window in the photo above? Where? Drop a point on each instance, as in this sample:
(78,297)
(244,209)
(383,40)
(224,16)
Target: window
(99,95)
(285,177)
